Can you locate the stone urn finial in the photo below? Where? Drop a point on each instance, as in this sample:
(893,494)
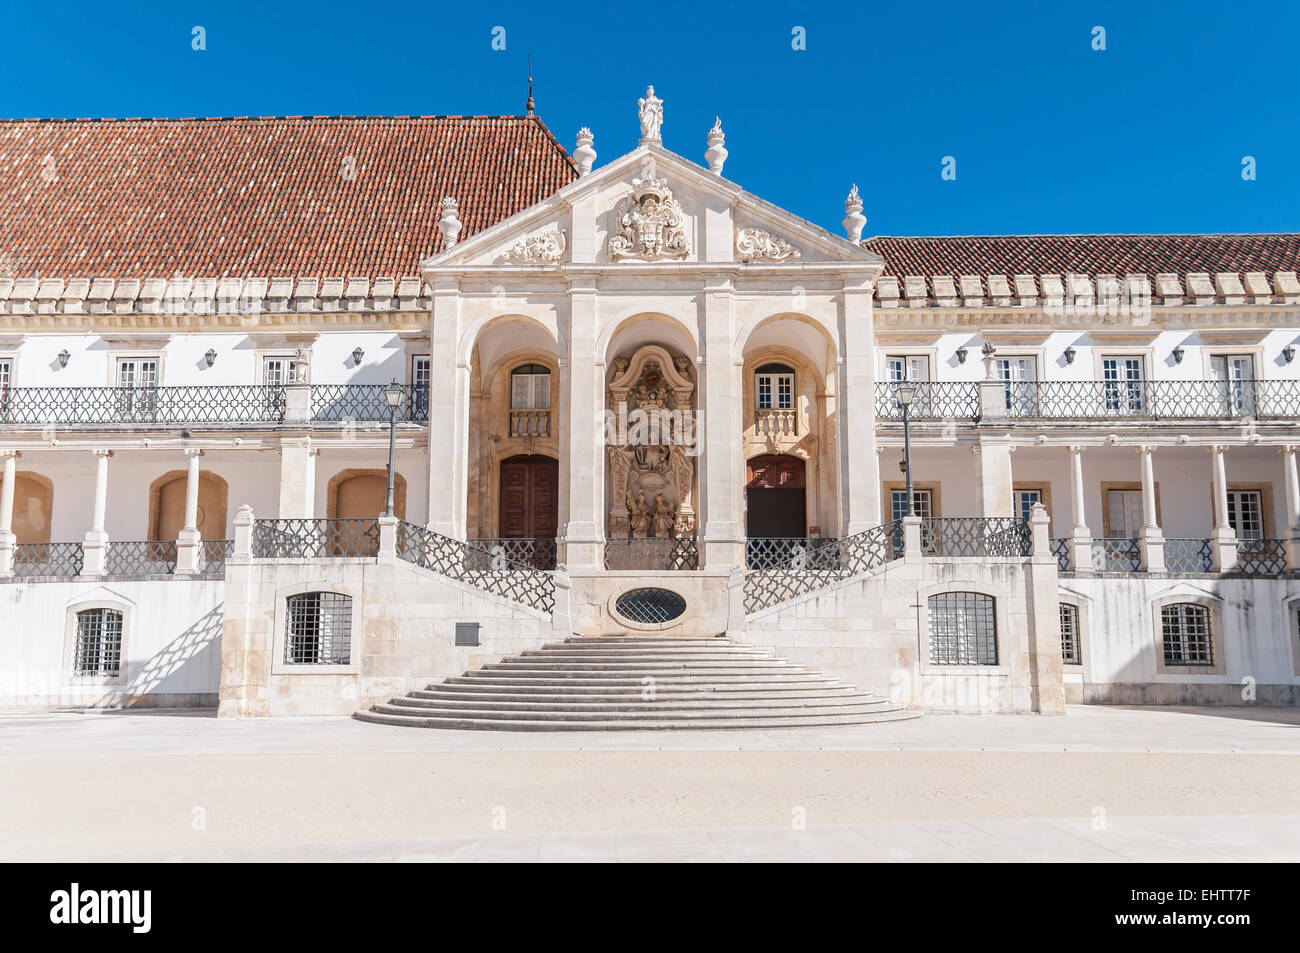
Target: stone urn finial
(449,224)
(854,220)
(716,154)
(585,154)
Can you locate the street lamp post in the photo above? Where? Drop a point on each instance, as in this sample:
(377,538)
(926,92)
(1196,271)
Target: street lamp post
(906,393)
(393,393)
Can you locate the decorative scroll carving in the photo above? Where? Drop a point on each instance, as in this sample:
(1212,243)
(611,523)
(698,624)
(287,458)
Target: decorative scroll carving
(650,223)
(545,247)
(754,244)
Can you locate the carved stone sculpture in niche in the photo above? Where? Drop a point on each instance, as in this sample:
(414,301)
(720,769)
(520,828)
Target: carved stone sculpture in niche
(651,455)
(650,223)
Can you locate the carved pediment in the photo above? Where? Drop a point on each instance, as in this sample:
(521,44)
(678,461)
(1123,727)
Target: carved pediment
(649,224)
(755,244)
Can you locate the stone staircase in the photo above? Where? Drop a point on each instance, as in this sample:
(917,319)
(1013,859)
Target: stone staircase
(637,683)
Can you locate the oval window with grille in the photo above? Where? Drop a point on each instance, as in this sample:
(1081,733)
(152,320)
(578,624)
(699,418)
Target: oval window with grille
(650,606)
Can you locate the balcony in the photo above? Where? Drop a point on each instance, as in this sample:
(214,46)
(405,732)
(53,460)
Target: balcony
(530,423)
(769,422)
(1255,557)
(219,405)
(1098,400)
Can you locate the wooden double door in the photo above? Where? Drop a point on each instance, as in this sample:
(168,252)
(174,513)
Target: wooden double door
(530,498)
(775,497)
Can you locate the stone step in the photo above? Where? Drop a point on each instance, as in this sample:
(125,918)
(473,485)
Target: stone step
(684,724)
(594,692)
(552,704)
(651,639)
(694,714)
(560,678)
(633,654)
(532,665)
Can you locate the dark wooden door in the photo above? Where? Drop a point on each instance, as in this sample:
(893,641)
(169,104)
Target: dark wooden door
(530,501)
(775,499)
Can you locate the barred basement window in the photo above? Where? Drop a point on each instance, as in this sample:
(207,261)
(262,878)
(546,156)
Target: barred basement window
(963,629)
(1070,652)
(98,646)
(319,629)
(1187,636)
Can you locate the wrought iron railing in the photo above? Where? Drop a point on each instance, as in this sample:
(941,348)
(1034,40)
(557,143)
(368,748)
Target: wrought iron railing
(675,554)
(976,536)
(477,567)
(315,538)
(530,423)
(213,554)
(828,564)
(532,552)
(769,422)
(1061,550)
(140,557)
(1116,554)
(934,400)
(366,402)
(1154,399)
(770,552)
(1261,557)
(143,405)
(47,559)
(1188,555)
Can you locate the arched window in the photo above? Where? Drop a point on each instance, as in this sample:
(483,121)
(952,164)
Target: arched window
(1071,651)
(530,387)
(97,645)
(1186,633)
(319,629)
(963,629)
(774,387)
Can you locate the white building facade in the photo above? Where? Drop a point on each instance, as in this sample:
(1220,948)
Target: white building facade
(650,402)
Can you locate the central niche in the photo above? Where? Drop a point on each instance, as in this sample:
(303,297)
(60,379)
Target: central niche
(651,443)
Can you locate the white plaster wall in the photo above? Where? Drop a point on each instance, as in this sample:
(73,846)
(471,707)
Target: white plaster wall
(172,643)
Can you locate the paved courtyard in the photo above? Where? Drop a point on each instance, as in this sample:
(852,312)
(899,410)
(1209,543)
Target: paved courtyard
(1100,784)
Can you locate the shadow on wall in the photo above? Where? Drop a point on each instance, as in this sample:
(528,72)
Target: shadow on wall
(193,658)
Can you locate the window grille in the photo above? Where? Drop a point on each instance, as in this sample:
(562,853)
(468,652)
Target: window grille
(97,649)
(319,629)
(1070,650)
(963,629)
(1187,636)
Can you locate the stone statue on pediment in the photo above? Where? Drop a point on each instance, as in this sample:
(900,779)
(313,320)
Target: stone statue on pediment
(651,110)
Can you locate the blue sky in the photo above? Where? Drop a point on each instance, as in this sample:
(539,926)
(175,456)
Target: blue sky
(1048,135)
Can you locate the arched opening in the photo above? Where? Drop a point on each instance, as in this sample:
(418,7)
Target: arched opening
(363,494)
(776,497)
(167,506)
(33,506)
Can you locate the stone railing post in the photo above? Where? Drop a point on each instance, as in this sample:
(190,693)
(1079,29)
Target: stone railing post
(912,539)
(7,546)
(297,404)
(243,535)
(993,391)
(1040,538)
(388,539)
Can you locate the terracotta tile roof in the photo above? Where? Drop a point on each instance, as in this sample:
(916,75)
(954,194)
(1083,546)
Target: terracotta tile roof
(1085,254)
(260,196)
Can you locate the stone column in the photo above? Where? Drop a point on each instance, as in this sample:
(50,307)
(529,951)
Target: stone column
(1152,541)
(7,538)
(297,478)
(1223,541)
(582,439)
(1081,536)
(993,476)
(1291,532)
(95,546)
(859,481)
(722,476)
(189,545)
(447,471)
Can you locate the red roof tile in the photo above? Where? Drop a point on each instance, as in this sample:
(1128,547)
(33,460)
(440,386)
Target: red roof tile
(1085,254)
(241,197)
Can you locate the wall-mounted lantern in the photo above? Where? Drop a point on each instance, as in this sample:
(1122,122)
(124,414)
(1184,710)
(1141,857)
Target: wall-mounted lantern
(357,355)
(1178,355)
(961,355)
(1288,353)
(210,357)
(63,358)
(1069,355)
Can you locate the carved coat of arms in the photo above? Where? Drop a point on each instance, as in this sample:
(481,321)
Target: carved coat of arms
(651,224)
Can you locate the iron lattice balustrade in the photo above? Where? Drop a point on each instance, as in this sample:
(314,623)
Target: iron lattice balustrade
(1116,554)
(315,538)
(213,554)
(140,558)
(468,563)
(47,559)
(366,403)
(535,553)
(1061,550)
(934,400)
(1188,555)
(838,559)
(675,554)
(1261,557)
(1172,400)
(961,536)
(772,552)
(130,406)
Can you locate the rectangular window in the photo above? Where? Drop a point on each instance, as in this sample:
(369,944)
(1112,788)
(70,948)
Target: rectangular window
(914,368)
(1025,499)
(530,388)
(1234,378)
(137,383)
(963,629)
(319,629)
(1020,377)
(1123,384)
(278,371)
(97,649)
(923,503)
(1124,509)
(6,382)
(1246,513)
(1187,637)
(774,391)
(1070,651)
(420,377)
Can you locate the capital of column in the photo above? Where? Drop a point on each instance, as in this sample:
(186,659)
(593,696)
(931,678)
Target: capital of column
(1287,449)
(1144,450)
(10,454)
(100,452)
(193,452)
(1075,450)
